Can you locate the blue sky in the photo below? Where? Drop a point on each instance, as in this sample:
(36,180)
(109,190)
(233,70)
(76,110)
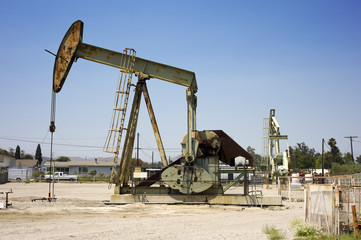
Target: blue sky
(302,58)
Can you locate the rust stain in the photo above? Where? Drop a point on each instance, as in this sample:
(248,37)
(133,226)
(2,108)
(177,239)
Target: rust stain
(179,78)
(66,54)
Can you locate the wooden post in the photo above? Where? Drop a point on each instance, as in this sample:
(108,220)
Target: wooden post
(348,206)
(289,189)
(335,204)
(355,223)
(306,202)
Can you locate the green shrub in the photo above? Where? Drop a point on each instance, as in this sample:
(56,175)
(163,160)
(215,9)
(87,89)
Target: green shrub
(348,236)
(273,233)
(39,174)
(309,231)
(92,179)
(305,229)
(343,236)
(338,169)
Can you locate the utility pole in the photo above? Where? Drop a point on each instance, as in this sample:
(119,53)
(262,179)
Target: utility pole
(137,149)
(351,137)
(152,158)
(323,160)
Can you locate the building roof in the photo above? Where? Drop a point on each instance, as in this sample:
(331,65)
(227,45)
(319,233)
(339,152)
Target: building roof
(6,160)
(80,164)
(26,162)
(7,155)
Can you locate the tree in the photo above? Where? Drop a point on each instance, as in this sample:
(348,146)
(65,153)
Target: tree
(12,152)
(158,164)
(326,161)
(3,151)
(138,163)
(93,173)
(39,174)
(17,152)
(347,159)
(336,156)
(62,159)
(27,156)
(303,157)
(345,169)
(256,157)
(22,154)
(39,155)
(358,159)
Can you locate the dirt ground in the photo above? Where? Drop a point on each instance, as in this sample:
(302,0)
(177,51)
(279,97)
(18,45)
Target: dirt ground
(79,213)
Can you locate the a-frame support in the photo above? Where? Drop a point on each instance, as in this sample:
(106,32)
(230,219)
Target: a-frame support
(124,168)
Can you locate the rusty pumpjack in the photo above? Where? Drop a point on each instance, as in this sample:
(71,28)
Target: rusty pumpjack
(197,172)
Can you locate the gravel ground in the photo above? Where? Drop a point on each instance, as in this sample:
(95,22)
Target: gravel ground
(79,213)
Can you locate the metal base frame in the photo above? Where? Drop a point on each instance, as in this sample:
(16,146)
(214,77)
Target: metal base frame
(197,199)
(160,190)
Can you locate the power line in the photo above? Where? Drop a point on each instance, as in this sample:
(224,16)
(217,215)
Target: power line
(351,137)
(45,136)
(346,149)
(60,144)
(85,146)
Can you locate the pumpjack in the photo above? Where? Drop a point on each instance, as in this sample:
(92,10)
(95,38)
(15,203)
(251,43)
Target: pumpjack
(278,161)
(195,176)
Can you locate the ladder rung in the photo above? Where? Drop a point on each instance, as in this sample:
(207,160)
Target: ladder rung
(118,109)
(123,92)
(124,85)
(117,130)
(114,130)
(108,151)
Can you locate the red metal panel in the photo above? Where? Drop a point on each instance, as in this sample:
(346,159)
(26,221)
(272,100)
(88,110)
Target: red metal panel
(230,149)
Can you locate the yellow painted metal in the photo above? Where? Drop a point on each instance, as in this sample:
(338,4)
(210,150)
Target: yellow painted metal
(142,67)
(72,48)
(114,137)
(124,167)
(187,179)
(154,126)
(273,147)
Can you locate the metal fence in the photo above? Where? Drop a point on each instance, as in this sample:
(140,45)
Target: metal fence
(292,188)
(330,205)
